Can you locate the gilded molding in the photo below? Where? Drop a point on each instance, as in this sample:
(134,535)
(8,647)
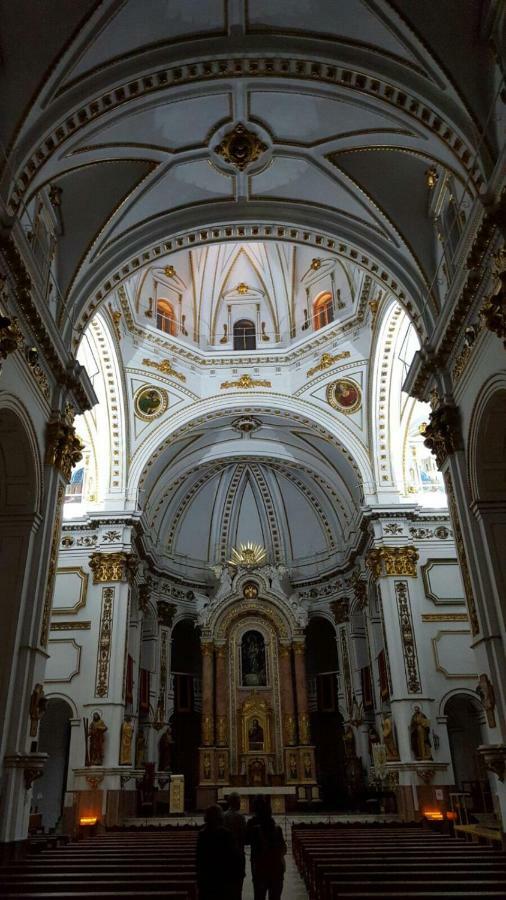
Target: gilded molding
(53,560)
(326,361)
(70,626)
(165,367)
(110,567)
(385,561)
(461,553)
(407,637)
(245,381)
(445,617)
(104,643)
(63,448)
(442,434)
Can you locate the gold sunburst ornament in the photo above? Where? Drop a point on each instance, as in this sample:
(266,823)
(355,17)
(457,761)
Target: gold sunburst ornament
(248,555)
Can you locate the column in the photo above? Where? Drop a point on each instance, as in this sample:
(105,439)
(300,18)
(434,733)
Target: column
(287,698)
(207,695)
(299,649)
(221,697)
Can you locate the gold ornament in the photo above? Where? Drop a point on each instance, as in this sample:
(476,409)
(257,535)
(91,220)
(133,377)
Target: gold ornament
(248,555)
(245,381)
(240,147)
(442,434)
(326,361)
(109,567)
(165,367)
(63,448)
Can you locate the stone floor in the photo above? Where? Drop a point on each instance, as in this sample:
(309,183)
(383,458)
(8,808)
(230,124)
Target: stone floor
(293,889)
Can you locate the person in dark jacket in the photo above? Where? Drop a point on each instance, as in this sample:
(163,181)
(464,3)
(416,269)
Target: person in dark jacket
(219,862)
(236,824)
(268,849)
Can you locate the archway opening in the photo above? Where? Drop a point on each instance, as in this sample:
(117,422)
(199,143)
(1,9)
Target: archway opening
(165,317)
(245,335)
(186,672)
(54,739)
(326,721)
(465,735)
(323,310)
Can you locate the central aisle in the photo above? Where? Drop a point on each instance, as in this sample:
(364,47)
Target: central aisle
(294,887)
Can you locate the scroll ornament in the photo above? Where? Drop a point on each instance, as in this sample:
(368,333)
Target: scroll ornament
(385,561)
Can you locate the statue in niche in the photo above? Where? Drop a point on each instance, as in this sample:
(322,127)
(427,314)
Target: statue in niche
(96,737)
(255,735)
(126,738)
(419,730)
(391,750)
(292,766)
(253,660)
(165,750)
(140,750)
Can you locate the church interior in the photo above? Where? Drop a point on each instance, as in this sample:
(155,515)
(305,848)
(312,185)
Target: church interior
(253,436)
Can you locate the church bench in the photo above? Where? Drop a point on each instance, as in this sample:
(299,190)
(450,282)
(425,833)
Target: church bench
(119,885)
(423,895)
(165,894)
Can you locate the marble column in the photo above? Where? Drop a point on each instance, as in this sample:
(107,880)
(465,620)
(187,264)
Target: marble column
(207,694)
(287,698)
(299,649)
(221,697)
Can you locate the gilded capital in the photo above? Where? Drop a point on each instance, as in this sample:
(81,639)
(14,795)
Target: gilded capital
(385,561)
(63,448)
(109,567)
(442,433)
(11,338)
(285,651)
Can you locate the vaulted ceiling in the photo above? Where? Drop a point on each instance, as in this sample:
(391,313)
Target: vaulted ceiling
(124,105)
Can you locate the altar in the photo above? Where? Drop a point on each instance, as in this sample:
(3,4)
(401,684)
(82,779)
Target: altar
(255,711)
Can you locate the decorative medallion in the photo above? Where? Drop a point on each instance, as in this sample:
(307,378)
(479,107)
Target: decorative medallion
(246,424)
(344,395)
(248,555)
(150,403)
(250,590)
(240,147)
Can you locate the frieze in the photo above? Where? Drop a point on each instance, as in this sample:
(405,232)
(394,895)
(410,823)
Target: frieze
(70,626)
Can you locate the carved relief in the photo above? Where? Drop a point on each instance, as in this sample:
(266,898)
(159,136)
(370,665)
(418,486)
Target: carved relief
(63,448)
(240,147)
(104,643)
(341,610)
(408,638)
(327,360)
(245,381)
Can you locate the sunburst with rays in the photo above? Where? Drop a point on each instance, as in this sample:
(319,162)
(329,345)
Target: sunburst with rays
(248,555)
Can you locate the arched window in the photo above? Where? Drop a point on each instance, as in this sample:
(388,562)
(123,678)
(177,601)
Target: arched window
(165,317)
(323,310)
(245,335)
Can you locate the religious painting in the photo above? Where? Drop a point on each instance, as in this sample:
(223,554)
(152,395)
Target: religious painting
(150,403)
(253,661)
(344,395)
(255,735)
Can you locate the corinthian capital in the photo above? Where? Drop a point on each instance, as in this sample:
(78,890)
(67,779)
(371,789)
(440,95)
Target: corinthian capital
(109,567)
(442,434)
(63,448)
(385,561)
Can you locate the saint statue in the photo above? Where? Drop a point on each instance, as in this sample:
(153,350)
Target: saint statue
(126,738)
(165,751)
(419,730)
(140,750)
(391,750)
(96,736)
(253,659)
(256,735)
(293,766)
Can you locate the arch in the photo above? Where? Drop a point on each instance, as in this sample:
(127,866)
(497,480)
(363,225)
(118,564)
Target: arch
(323,310)
(464,720)
(245,335)
(252,402)
(166,317)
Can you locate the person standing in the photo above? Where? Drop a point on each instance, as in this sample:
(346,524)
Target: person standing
(268,850)
(236,823)
(219,863)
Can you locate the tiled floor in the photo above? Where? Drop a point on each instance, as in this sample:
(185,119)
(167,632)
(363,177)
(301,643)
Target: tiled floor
(293,889)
